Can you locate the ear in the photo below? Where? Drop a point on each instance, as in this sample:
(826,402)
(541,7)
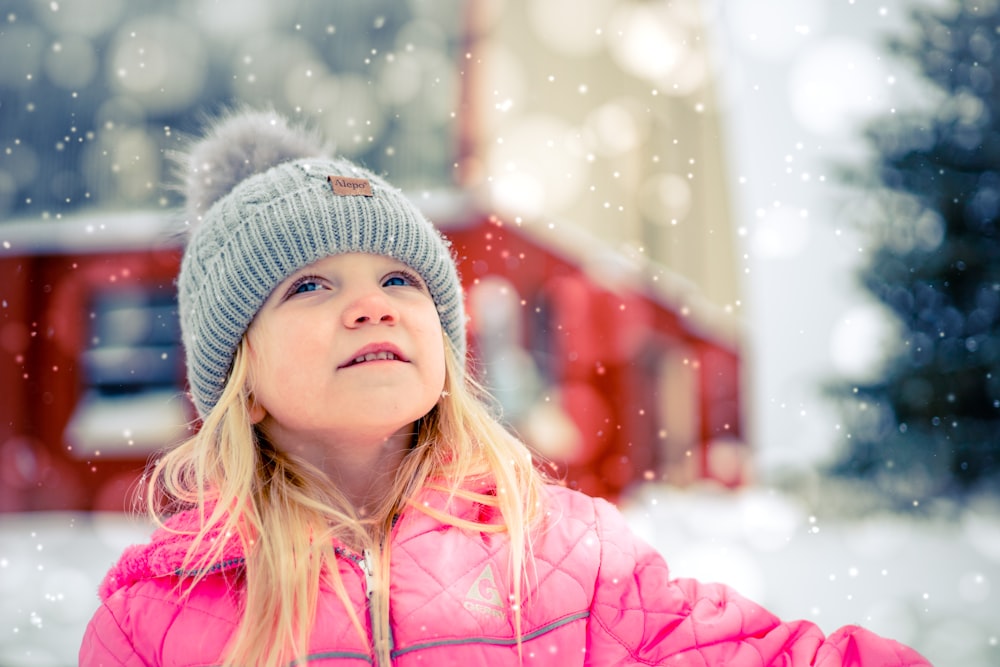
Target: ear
(256,410)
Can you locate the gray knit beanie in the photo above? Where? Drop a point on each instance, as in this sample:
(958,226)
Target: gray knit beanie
(262,203)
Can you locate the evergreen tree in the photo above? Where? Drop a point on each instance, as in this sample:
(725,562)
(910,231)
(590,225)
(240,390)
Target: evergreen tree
(930,426)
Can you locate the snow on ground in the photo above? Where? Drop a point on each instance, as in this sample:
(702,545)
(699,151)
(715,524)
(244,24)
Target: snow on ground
(50,565)
(925,582)
(931,583)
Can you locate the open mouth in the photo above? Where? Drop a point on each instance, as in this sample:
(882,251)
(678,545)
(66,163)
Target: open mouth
(373,356)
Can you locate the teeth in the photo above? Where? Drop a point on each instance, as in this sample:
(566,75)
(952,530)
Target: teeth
(372,356)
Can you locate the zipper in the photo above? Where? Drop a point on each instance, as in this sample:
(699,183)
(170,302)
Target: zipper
(368,567)
(365,563)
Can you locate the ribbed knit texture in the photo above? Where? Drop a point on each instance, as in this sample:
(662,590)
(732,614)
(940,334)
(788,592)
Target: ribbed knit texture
(276,222)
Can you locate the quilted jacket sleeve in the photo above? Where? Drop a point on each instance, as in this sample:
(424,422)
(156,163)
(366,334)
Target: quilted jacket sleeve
(105,644)
(642,617)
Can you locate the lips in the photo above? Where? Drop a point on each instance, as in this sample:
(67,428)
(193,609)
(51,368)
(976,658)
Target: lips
(374,352)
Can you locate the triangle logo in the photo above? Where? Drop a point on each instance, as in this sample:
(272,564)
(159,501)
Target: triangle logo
(484,596)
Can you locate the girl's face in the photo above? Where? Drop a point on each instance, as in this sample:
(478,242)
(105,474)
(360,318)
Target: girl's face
(346,350)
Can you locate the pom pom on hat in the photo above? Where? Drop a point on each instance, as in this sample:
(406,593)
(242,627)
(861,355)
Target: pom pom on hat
(237,146)
(262,206)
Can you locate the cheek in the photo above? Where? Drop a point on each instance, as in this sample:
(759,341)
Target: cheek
(439,373)
(284,348)
(291,334)
(437,367)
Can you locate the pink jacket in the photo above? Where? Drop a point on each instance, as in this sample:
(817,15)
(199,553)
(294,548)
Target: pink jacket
(603,598)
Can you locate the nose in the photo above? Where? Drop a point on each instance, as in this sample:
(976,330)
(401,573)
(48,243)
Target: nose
(370,307)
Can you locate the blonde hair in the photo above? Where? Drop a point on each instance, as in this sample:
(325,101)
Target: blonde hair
(286,514)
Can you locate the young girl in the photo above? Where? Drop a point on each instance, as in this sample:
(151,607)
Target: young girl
(349,498)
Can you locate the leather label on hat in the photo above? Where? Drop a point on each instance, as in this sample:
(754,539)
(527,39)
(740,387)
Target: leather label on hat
(347,186)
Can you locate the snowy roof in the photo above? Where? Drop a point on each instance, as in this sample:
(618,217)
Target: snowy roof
(91,231)
(616,269)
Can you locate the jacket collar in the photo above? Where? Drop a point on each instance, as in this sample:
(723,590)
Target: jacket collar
(164,554)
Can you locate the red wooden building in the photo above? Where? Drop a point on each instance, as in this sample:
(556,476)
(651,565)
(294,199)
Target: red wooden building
(600,367)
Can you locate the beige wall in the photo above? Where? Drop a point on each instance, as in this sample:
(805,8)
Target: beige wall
(601,115)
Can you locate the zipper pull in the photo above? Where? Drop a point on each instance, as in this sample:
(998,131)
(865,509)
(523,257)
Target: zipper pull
(368,567)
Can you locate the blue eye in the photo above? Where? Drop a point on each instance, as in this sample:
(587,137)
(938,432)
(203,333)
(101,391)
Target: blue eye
(304,284)
(306,287)
(402,279)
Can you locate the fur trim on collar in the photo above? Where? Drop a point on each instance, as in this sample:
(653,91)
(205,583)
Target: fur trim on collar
(164,555)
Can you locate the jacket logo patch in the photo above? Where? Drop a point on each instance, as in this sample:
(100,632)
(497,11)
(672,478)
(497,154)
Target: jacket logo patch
(484,596)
